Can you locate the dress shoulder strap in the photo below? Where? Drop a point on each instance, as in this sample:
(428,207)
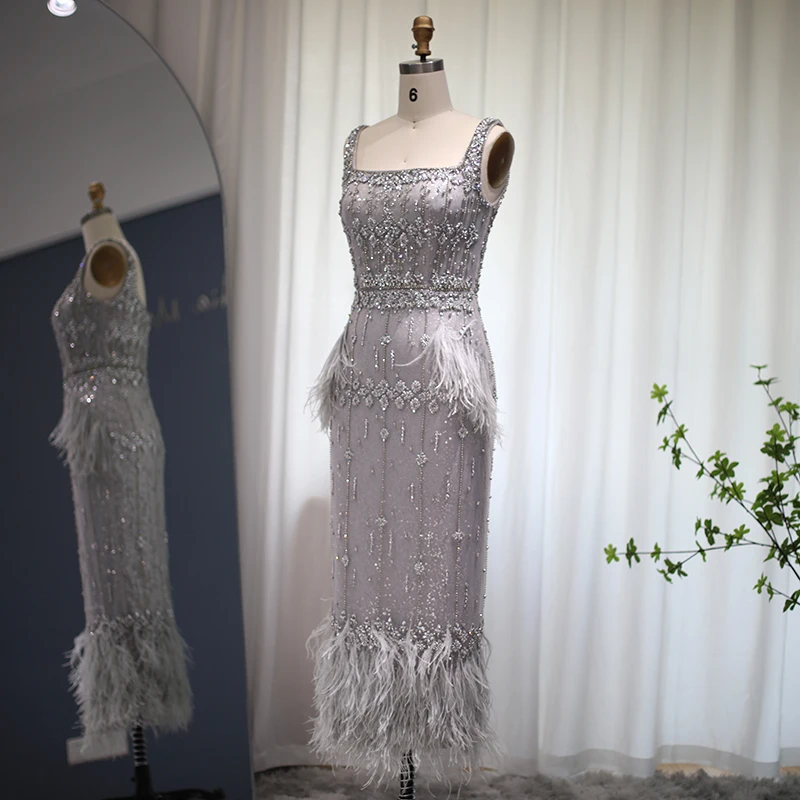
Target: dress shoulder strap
(474,154)
(349,150)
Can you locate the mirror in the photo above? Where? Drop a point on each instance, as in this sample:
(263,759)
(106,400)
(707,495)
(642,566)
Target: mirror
(88,100)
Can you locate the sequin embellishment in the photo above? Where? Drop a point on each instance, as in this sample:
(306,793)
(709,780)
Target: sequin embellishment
(111,439)
(413,360)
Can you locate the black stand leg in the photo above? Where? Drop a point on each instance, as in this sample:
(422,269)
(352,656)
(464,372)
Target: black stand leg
(407,778)
(141,769)
(144,784)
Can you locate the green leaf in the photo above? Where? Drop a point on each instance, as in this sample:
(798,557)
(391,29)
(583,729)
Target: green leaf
(631,553)
(656,554)
(741,532)
(611,554)
(663,412)
(711,531)
(792,409)
(659,392)
(736,492)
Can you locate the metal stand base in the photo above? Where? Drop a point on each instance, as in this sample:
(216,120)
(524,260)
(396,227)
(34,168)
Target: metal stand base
(144,783)
(407,778)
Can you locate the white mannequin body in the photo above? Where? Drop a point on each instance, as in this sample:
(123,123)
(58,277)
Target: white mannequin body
(426,132)
(106,226)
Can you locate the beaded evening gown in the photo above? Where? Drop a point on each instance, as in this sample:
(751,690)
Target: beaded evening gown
(408,398)
(129,663)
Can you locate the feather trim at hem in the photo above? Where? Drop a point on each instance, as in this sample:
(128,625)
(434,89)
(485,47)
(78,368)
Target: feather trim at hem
(375,703)
(124,674)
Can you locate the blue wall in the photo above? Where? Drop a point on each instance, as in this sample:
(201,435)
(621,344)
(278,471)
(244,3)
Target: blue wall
(182,255)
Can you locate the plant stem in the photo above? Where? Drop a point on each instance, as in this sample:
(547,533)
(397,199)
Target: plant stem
(781,509)
(788,428)
(705,549)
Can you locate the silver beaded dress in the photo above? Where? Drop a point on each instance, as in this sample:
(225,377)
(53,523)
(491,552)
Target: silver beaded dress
(129,665)
(408,398)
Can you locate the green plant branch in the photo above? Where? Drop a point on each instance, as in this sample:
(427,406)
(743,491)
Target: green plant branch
(699,549)
(695,459)
(775,403)
(772,508)
(792,600)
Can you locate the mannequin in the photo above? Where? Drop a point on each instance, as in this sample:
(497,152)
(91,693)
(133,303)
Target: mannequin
(107,264)
(400,672)
(427,131)
(108,370)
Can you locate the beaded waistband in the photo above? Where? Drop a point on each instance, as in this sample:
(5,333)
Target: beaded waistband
(127,621)
(76,379)
(424,297)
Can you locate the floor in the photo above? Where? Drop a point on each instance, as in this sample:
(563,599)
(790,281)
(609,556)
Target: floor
(671,782)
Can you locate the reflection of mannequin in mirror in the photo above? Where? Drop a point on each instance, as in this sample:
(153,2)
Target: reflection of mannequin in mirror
(106,265)
(129,664)
(428,132)
(407,398)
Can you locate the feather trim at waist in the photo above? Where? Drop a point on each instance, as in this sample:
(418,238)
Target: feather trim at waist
(459,373)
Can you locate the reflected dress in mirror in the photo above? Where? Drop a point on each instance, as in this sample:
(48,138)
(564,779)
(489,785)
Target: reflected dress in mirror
(129,665)
(408,397)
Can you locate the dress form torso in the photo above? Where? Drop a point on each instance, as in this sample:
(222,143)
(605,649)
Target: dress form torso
(428,132)
(95,228)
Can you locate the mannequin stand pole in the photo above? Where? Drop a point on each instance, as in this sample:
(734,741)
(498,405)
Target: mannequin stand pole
(407,778)
(141,769)
(144,783)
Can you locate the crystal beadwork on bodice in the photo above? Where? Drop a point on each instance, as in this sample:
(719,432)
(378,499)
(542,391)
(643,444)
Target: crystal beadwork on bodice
(93,333)
(407,396)
(417,236)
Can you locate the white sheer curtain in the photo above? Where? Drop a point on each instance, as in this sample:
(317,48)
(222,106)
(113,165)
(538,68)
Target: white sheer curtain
(648,235)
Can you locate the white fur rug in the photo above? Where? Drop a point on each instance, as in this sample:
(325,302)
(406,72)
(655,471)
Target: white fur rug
(321,783)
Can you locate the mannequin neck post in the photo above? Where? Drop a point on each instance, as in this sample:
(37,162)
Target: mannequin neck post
(423,94)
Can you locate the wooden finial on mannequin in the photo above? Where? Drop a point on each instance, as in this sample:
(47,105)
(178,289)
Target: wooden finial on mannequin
(97,193)
(423,33)
(108,263)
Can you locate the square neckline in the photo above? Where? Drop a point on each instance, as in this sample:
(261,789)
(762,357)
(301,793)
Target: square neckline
(449,168)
